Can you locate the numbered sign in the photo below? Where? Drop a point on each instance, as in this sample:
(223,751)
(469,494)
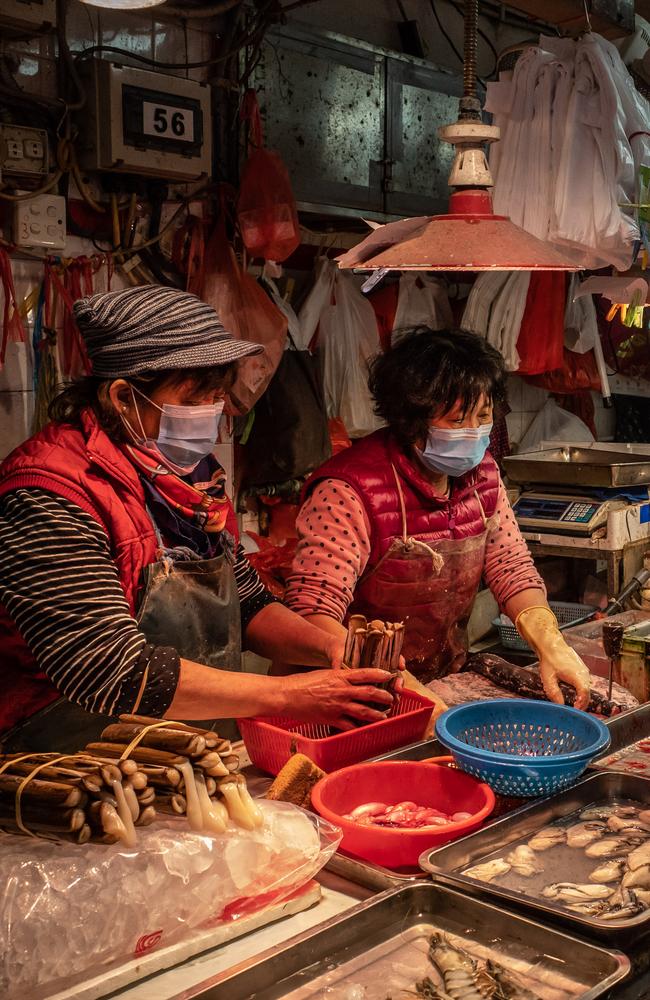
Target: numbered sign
(168,122)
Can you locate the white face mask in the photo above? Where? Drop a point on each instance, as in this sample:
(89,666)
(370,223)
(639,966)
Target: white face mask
(186,434)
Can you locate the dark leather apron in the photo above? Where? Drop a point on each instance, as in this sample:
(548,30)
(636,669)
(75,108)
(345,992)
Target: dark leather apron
(192,605)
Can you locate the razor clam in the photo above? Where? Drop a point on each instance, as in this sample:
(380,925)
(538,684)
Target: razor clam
(548,836)
(458,970)
(612,847)
(488,870)
(639,856)
(583,834)
(573,892)
(509,988)
(610,871)
(638,878)
(524,861)
(603,812)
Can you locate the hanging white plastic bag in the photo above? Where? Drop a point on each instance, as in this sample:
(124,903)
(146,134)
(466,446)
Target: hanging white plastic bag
(422,301)
(552,423)
(319,298)
(349,339)
(580,321)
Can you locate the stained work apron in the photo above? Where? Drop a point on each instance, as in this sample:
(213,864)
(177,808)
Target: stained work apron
(430,586)
(190,604)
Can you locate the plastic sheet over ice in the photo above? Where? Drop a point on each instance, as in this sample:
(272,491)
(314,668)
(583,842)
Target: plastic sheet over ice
(67,910)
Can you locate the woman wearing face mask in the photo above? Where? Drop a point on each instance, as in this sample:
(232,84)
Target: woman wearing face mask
(122,588)
(403,525)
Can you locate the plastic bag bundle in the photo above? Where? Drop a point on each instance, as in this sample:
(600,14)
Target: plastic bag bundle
(552,423)
(574,134)
(247,312)
(266,209)
(68,910)
(345,324)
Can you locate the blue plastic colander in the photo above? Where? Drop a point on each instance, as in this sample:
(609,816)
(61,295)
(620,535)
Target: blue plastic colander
(522,747)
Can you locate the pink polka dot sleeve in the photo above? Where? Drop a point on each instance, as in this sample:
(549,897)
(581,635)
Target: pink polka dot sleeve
(509,566)
(333,550)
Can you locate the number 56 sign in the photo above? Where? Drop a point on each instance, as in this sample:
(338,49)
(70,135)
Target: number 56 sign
(168,122)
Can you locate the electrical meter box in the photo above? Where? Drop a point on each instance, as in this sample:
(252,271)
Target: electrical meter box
(26,17)
(139,122)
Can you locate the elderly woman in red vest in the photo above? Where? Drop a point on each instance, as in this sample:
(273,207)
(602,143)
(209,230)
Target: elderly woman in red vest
(405,523)
(122,585)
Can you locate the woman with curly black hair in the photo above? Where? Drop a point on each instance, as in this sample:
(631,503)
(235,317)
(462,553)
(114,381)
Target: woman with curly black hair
(403,525)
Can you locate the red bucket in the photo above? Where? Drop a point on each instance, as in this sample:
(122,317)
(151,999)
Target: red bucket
(423,782)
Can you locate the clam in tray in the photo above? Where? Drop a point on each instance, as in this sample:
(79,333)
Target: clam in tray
(582,857)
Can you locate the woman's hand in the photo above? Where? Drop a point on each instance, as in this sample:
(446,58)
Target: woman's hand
(561,663)
(334,697)
(557,660)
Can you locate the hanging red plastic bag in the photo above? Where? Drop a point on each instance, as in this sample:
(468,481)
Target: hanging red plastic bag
(12,324)
(266,209)
(579,372)
(247,312)
(541,337)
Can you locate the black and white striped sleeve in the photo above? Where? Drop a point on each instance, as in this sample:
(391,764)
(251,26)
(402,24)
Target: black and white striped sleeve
(253,595)
(60,585)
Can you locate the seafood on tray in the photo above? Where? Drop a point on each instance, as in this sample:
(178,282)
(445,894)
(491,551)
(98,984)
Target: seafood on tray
(462,977)
(603,852)
(403,816)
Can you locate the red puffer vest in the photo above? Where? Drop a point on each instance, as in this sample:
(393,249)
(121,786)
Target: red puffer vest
(366,467)
(84,466)
(434,603)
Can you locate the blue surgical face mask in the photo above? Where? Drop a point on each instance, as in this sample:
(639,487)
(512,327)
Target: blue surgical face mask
(455,451)
(186,434)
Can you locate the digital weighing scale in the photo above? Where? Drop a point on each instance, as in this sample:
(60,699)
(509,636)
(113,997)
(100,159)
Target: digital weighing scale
(571,505)
(571,514)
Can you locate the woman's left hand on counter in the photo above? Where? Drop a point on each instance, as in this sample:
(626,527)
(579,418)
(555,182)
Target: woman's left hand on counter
(562,663)
(557,660)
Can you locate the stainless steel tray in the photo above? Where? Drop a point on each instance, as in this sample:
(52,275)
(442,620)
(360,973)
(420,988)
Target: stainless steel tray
(446,863)
(628,728)
(584,466)
(310,963)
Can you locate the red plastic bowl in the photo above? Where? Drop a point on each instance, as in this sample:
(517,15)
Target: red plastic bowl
(422,782)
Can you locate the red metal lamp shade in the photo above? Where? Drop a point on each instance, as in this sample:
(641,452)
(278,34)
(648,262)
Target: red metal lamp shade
(470,237)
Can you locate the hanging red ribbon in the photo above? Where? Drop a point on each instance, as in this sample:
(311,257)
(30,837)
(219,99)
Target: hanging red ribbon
(77,283)
(12,324)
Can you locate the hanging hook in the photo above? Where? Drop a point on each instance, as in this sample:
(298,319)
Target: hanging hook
(587,18)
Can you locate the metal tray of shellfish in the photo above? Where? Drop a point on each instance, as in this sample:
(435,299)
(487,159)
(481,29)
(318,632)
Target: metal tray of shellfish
(428,941)
(580,859)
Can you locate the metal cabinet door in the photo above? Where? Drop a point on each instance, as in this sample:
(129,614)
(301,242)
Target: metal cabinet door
(322,101)
(419,98)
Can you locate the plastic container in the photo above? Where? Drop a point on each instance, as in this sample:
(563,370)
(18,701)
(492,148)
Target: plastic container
(521,747)
(272,740)
(425,783)
(564,612)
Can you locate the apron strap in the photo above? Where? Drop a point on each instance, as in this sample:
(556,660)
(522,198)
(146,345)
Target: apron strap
(437,561)
(402,504)
(489,523)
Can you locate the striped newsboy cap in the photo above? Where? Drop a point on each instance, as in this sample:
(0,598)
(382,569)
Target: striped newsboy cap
(152,328)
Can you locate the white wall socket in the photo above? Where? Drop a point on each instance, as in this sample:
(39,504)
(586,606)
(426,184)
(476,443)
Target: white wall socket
(40,222)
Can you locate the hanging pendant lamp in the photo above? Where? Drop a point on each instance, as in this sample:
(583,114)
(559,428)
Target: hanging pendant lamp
(470,237)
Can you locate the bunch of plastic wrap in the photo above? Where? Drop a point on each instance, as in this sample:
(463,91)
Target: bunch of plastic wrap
(69,911)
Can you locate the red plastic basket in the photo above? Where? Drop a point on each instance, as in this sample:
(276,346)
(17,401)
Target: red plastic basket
(271,740)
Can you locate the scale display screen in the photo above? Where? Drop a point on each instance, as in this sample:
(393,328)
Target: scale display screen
(571,511)
(565,514)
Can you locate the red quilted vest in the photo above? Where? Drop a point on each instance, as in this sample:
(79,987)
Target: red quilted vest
(366,467)
(84,466)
